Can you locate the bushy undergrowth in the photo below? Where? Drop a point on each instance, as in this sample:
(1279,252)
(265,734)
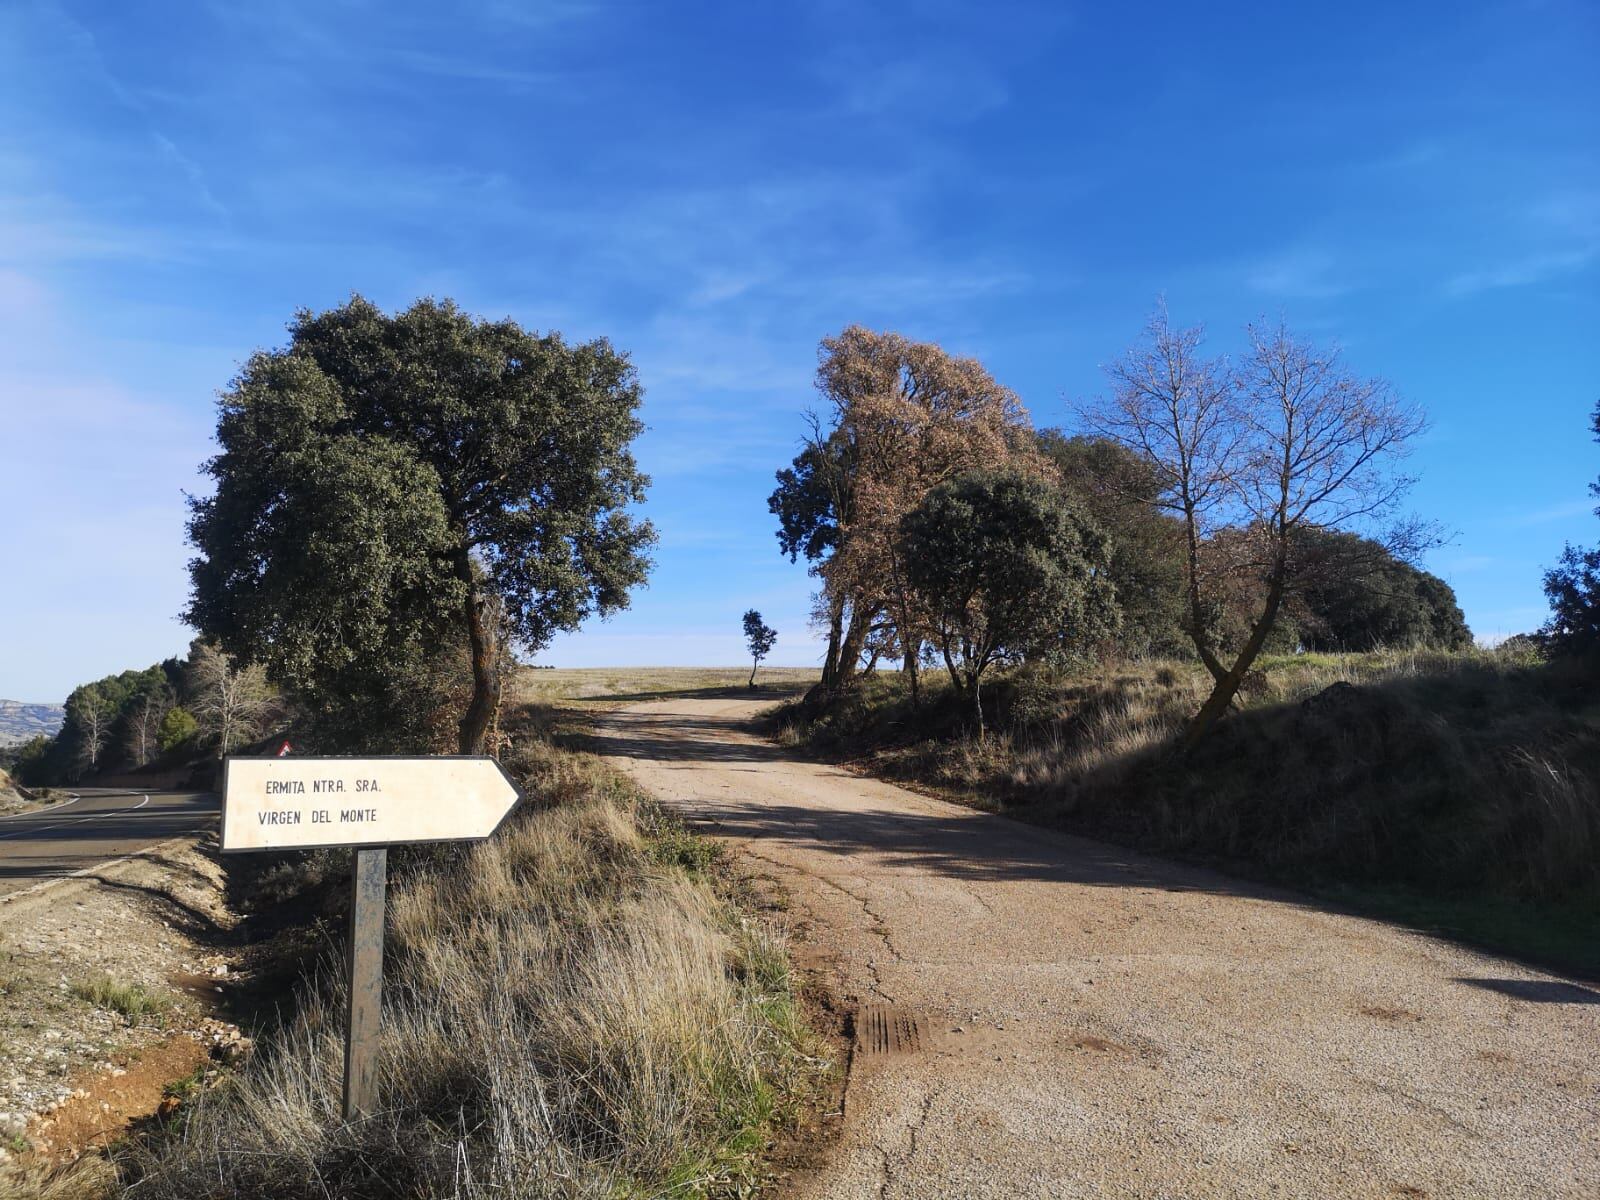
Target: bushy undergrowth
(1470,773)
(570,1010)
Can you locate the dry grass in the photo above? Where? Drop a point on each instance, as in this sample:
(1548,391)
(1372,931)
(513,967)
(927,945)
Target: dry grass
(602,687)
(132,1000)
(91,1178)
(1470,776)
(571,1010)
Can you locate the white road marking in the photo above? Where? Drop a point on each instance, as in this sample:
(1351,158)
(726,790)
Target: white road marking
(89,872)
(114,812)
(39,812)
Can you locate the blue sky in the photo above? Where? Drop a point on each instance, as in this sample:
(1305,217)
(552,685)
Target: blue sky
(717,186)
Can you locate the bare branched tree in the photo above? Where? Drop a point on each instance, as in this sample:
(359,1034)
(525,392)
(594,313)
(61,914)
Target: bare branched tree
(93,713)
(230,701)
(1254,459)
(1177,410)
(144,723)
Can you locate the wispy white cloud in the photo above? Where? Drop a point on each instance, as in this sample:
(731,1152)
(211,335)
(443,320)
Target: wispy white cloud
(942,86)
(1544,516)
(1469,562)
(1563,232)
(1304,273)
(1528,269)
(94,67)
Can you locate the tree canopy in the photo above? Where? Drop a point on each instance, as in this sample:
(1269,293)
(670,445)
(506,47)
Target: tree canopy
(1005,567)
(381,479)
(759,639)
(1118,490)
(900,417)
(1251,457)
(1371,599)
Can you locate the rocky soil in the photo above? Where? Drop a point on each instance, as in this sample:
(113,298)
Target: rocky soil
(71,1033)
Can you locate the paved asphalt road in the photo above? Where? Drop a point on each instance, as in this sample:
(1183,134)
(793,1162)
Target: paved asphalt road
(99,825)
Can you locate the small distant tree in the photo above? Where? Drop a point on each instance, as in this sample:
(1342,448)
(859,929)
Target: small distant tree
(1250,459)
(1006,569)
(177,727)
(760,638)
(229,700)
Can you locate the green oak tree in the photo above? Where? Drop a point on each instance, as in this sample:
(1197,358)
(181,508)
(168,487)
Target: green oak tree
(177,727)
(1007,569)
(1358,596)
(388,486)
(1118,490)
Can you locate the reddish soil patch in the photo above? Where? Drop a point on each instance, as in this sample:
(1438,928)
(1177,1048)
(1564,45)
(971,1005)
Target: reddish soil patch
(103,1105)
(1385,1013)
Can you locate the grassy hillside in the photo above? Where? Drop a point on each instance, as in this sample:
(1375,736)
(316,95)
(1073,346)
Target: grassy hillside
(1454,790)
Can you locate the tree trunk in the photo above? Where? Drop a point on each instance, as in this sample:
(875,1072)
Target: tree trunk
(485,683)
(753,665)
(1197,633)
(977,705)
(830,664)
(913,653)
(855,637)
(1227,686)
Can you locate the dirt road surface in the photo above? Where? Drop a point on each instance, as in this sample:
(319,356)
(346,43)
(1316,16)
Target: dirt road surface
(1099,1023)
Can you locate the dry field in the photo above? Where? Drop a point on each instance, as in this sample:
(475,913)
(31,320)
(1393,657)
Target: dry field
(600,688)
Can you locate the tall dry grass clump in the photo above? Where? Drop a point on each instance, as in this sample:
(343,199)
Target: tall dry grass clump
(568,1013)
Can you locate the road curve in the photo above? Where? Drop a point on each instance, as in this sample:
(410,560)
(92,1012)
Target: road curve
(1101,1023)
(98,826)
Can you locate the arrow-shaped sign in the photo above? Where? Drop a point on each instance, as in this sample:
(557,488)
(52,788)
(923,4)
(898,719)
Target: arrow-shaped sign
(298,803)
(287,803)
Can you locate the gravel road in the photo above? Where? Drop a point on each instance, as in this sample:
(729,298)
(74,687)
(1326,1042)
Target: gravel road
(1100,1023)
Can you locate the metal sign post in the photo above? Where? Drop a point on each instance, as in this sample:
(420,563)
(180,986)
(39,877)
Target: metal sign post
(368,804)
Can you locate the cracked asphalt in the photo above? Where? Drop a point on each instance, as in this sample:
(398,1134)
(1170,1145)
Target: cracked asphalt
(1103,1023)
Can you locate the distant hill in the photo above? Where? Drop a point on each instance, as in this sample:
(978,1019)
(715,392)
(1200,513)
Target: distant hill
(19,722)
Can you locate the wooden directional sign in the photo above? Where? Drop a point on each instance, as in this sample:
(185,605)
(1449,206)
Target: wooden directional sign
(368,804)
(294,803)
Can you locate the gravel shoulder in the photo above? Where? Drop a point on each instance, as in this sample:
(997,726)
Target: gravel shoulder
(1094,1022)
(74,1069)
